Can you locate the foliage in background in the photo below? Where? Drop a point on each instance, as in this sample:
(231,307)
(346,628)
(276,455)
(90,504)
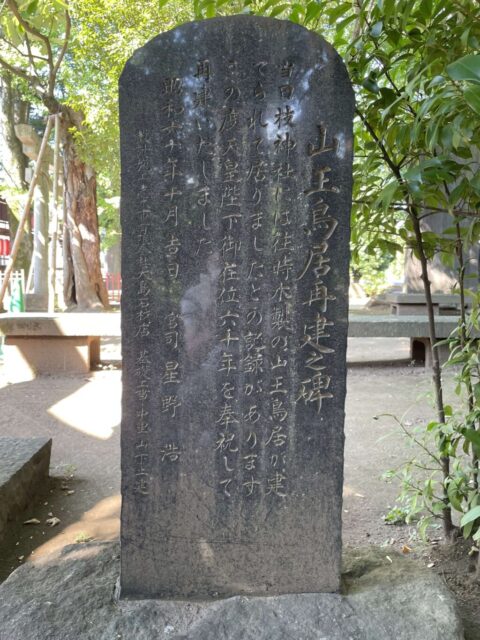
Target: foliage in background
(35,44)
(369,270)
(105,34)
(418,143)
(421,478)
(397,53)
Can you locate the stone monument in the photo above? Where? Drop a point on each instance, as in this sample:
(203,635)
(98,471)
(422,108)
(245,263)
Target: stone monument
(236,146)
(236,184)
(443,278)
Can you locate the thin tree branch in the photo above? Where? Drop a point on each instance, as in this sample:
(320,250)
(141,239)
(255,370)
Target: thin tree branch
(418,442)
(20,52)
(30,56)
(63,50)
(437,379)
(431,211)
(12,5)
(21,73)
(381,146)
(395,88)
(454,212)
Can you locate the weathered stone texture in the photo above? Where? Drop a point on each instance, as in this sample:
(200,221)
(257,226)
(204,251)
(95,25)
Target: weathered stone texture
(24,465)
(71,598)
(236,138)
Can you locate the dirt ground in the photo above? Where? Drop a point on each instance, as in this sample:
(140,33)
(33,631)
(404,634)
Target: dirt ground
(82,415)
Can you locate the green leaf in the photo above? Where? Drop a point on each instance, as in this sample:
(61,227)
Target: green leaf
(210,9)
(278,10)
(423,526)
(388,192)
(388,96)
(12,30)
(376,30)
(473,436)
(340,26)
(414,174)
(313,11)
(458,194)
(472,97)
(464,37)
(295,12)
(388,7)
(425,8)
(436,81)
(335,13)
(32,7)
(268,5)
(466,68)
(453,497)
(370,85)
(470,516)
(467,530)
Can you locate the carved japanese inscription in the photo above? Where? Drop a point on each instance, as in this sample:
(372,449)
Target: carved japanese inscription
(236,139)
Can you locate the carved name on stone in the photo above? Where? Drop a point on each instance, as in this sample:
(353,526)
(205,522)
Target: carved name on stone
(236,189)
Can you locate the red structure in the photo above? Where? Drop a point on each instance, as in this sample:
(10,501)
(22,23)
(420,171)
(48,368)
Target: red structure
(4,235)
(113,282)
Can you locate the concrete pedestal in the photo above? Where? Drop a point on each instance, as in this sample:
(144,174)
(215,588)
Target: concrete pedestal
(30,356)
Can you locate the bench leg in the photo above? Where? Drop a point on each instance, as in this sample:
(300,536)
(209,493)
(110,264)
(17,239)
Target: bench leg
(420,351)
(31,356)
(419,348)
(94,352)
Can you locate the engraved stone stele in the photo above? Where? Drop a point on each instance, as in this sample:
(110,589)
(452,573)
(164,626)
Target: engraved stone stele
(443,278)
(236,145)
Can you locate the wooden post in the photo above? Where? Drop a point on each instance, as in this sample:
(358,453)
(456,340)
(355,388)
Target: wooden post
(52,275)
(26,211)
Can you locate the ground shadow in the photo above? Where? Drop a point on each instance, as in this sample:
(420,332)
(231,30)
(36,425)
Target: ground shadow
(82,419)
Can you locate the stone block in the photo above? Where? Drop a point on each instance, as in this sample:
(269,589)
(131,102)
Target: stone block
(236,144)
(70,597)
(412,309)
(24,465)
(31,356)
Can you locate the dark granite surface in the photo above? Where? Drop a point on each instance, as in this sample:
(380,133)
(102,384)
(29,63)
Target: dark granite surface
(236,142)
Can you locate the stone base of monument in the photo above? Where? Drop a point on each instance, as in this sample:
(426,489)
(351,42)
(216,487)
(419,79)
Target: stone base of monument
(71,596)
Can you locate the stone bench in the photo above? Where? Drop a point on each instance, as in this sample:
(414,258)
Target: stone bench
(408,304)
(70,342)
(24,465)
(414,327)
(58,343)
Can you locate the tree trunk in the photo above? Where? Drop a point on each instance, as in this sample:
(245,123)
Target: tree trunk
(13,164)
(84,288)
